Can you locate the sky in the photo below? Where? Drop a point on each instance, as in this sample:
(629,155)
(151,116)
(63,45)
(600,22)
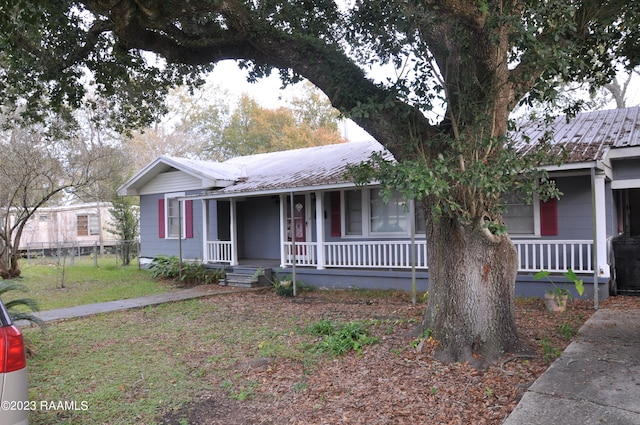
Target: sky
(267,92)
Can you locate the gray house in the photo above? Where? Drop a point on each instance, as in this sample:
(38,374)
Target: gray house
(238,214)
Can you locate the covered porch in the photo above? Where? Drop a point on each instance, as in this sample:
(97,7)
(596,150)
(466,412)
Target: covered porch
(534,255)
(310,248)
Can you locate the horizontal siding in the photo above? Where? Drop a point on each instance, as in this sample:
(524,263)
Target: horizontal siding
(171,181)
(151,245)
(575,208)
(261,228)
(625,169)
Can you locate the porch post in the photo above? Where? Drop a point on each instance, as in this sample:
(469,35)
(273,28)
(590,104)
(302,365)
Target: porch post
(283,231)
(205,230)
(234,231)
(319,230)
(600,228)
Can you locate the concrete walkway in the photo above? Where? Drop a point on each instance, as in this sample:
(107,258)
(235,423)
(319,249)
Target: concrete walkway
(595,381)
(111,306)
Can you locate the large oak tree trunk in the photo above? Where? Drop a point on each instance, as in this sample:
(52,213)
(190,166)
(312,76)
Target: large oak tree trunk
(471,292)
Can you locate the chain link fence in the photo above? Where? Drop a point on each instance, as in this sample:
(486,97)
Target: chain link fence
(120,252)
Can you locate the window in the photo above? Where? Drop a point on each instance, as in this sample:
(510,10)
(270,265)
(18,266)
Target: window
(175,217)
(365,213)
(421,221)
(389,217)
(524,219)
(88,225)
(353,212)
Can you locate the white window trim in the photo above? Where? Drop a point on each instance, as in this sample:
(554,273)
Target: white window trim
(366,218)
(535,201)
(183,222)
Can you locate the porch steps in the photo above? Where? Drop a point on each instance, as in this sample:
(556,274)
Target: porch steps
(248,277)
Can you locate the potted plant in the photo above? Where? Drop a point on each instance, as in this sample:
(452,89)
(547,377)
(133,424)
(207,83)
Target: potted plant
(556,299)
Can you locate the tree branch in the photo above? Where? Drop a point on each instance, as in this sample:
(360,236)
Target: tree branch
(246,37)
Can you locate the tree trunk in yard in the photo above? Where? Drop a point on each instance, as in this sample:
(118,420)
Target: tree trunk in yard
(9,267)
(471,309)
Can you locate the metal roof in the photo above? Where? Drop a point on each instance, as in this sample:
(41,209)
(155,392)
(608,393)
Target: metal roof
(209,169)
(587,137)
(208,172)
(298,168)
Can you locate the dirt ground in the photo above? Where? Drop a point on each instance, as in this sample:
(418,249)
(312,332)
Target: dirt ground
(394,381)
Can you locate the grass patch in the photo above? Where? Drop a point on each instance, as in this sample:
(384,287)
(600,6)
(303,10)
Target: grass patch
(115,363)
(57,286)
(130,367)
(338,340)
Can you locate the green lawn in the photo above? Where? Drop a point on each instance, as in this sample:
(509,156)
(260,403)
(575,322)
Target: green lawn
(130,367)
(58,286)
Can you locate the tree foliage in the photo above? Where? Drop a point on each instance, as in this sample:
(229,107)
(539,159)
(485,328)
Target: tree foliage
(206,123)
(125,226)
(254,129)
(476,59)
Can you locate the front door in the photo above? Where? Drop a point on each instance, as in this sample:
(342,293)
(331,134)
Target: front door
(626,246)
(299,226)
(299,215)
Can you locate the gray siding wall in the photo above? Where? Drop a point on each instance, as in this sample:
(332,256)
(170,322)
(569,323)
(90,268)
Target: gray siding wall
(575,209)
(625,169)
(171,181)
(575,220)
(259,228)
(526,285)
(151,245)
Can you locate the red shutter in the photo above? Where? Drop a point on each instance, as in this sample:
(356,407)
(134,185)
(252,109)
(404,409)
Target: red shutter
(188,218)
(336,224)
(549,217)
(161,224)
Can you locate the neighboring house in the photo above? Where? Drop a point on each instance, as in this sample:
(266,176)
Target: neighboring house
(238,213)
(79,225)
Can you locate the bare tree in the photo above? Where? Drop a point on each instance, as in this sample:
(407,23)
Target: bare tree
(38,169)
(619,87)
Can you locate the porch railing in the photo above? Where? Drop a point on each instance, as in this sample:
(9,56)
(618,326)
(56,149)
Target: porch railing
(375,254)
(305,253)
(555,255)
(219,252)
(360,254)
(533,255)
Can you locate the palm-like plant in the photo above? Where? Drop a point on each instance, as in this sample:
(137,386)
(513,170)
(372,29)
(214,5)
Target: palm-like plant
(20,308)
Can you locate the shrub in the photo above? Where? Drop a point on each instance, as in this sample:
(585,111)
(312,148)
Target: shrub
(165,267)
(20,308)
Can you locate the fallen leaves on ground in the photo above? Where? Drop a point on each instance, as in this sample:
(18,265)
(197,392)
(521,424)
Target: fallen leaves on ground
(392,382)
